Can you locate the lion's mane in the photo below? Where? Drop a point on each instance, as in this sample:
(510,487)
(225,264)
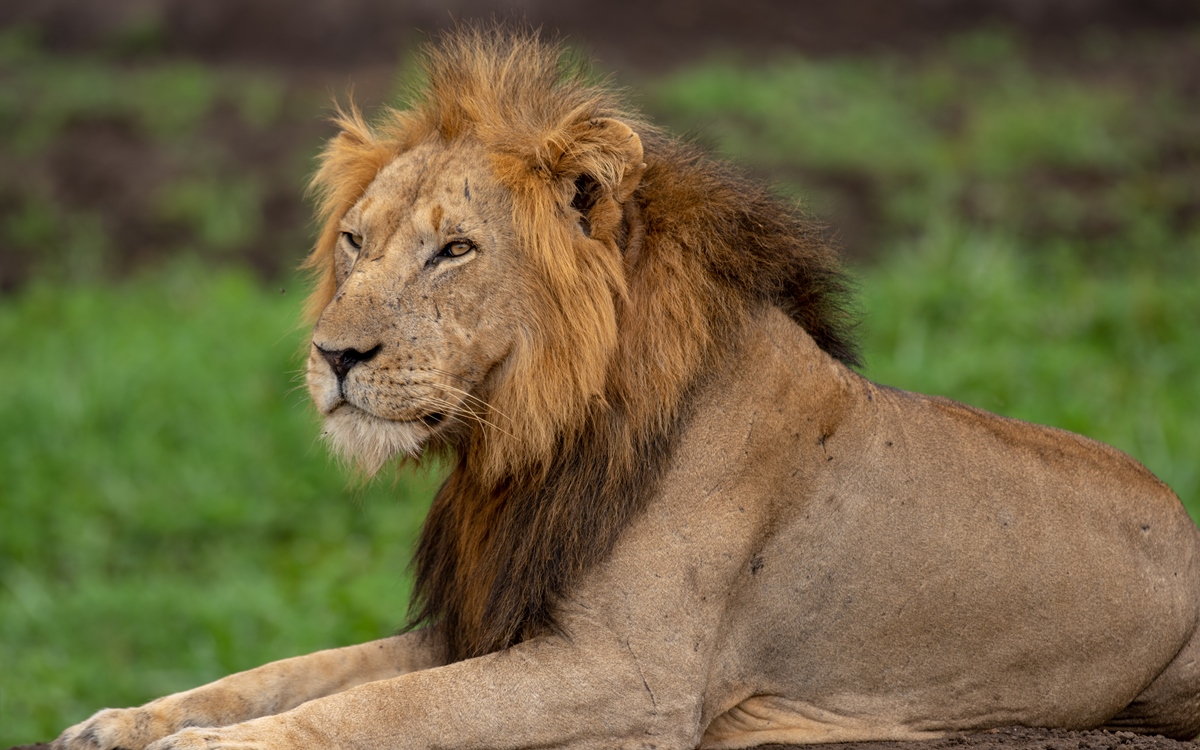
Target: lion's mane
(631,320)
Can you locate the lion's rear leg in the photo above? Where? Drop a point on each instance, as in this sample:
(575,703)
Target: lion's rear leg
(1170,705)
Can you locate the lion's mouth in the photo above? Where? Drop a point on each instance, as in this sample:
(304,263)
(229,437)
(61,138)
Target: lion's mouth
(433,419)
(421,426)
(430,419)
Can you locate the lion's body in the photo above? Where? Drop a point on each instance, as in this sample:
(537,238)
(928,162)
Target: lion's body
(911,566)
(677,517)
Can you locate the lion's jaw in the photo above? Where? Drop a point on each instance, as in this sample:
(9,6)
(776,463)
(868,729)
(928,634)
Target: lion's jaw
(369,440)
(404,349)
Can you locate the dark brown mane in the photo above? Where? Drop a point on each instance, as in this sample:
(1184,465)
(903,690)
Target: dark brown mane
(502,546)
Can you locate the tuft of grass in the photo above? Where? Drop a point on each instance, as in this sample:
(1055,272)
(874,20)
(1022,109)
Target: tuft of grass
(218,215)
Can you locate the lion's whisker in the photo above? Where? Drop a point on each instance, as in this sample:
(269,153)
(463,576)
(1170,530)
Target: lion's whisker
(476,399)
(450,406)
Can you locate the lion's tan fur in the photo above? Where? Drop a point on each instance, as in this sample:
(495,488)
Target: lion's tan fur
(676,517)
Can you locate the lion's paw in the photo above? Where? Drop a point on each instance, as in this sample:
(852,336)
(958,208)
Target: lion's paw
(110,728)
(225,738)
(189,739)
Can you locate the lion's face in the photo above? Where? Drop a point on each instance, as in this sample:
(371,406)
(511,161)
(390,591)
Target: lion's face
(431,291)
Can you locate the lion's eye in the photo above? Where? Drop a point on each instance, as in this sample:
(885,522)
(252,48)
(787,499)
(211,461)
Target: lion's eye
(456,249)
(355,240)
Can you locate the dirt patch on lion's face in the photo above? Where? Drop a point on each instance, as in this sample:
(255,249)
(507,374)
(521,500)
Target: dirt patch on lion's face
(432,294)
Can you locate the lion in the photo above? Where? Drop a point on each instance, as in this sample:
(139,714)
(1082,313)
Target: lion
(677,516)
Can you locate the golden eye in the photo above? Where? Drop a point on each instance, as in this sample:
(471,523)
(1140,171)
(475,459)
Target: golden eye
(456,249)
(355,240)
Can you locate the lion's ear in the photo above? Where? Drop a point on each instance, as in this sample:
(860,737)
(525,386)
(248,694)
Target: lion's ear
(611,153)
(600,163)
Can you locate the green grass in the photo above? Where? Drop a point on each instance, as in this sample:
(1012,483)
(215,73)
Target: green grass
(168,514)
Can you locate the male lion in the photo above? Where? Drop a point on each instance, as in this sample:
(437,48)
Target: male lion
(677,518)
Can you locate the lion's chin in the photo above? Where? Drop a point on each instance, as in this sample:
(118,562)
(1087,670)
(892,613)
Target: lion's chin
(369,441)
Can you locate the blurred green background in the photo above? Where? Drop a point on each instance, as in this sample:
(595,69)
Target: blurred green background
(1019,199)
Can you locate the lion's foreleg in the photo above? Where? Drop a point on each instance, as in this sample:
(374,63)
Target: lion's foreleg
(263,691)
(543,693)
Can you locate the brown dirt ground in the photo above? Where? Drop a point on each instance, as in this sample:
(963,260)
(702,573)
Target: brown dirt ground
(332,41)
(1009,738)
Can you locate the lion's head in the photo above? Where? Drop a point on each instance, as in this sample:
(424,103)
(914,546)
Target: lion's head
(473,247)
(521,270)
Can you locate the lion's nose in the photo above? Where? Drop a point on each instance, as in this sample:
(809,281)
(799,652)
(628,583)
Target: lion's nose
(342,360)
